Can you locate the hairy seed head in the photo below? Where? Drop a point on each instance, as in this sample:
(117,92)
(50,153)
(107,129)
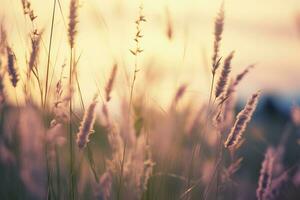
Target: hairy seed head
(221,84)
(265,176)
(86,127)
(242,120)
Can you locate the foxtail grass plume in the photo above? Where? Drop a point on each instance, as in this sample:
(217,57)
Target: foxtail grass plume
(116,142)
(241,75)
(86,127)
(278,186)
(231,88)
(225,115)
(242,120)
(148,168)
(70,88)
(60,108)
(35,49)
(105,183)
(219,26)
(3,39)
(265,178)
(179,94)
(110,83)
(106,114)
(169,24)
(232,169)
(221,84)
(73,15)
(108,89)
(138,169)
(117,147)
(11,68)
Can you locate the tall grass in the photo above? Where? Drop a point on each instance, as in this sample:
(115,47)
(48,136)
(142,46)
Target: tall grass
(128,148)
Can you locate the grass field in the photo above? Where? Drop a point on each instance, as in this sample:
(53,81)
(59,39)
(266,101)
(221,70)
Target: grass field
(130,100)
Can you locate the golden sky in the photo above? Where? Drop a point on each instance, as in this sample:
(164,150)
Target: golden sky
(260,31)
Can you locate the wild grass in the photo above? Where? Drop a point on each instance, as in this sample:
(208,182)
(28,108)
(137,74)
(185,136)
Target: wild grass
(52,148)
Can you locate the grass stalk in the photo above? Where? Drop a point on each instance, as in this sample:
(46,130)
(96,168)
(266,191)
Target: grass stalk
(57,162)
(191,167)
(71,148)
(121,172)
(49,53)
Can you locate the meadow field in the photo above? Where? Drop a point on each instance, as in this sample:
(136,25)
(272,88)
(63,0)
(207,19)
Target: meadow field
(149,100)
